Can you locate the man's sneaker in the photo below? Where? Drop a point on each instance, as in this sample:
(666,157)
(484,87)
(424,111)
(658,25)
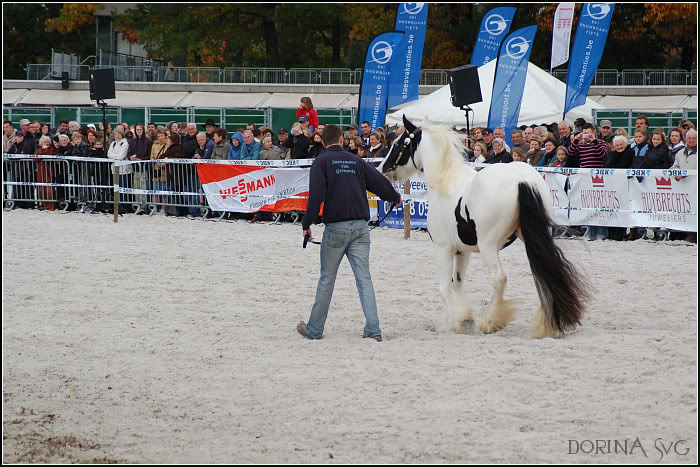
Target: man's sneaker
(301,329)
(377,338)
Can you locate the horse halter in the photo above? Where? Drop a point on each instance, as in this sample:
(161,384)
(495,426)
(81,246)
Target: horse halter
(402,157)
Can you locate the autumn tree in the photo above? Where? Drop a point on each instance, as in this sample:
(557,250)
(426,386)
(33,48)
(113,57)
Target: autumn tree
(293,35)
(31,30)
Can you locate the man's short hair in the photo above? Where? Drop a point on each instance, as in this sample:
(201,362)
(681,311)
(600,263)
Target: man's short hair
(643,117)
(366,123)
(63,121)
(221,132)
(515,132)
(7,121)
(331,134)
(588,126)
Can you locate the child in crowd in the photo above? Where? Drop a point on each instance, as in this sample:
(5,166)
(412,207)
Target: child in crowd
(560,160)
(518,155)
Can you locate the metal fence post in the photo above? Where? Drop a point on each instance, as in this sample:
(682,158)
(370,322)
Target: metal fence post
(629,123)
(116,193)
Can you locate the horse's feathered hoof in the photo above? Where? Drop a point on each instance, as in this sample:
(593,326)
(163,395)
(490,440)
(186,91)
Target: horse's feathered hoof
(488,327)
(465,327)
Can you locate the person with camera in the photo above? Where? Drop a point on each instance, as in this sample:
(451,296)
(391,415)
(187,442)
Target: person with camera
(586,150)
(589,152)
(298,144)
(340,180)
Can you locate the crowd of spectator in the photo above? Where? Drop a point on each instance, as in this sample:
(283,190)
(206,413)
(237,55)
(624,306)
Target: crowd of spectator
(583,145)
(548,145)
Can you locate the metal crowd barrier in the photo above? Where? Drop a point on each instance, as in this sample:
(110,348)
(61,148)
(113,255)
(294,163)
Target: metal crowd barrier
(87,184)
(52,182)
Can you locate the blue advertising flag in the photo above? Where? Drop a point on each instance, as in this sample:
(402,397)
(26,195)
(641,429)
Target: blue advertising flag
(591,34)
(494,27)
(374,88)
(509,82)
(412,18)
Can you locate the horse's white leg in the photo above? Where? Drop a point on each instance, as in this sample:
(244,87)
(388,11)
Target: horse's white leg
(449,290)
(500,311)
(463,316)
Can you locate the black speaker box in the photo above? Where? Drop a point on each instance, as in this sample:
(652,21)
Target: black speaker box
(102,84)
(464,85)
(65,80)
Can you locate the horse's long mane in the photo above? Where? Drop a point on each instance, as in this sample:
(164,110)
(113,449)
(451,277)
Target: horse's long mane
(448,165)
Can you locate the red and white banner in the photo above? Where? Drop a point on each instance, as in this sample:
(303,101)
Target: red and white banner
(243,188)
(597,199)
(658,201)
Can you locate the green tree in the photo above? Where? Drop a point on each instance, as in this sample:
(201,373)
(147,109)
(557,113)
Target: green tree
(28,39)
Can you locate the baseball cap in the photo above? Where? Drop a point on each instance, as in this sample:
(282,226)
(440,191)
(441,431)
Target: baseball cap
(302,119)
(487,131)
(19,133)
(605,123)
(24,121)
(353,126)
(282,130)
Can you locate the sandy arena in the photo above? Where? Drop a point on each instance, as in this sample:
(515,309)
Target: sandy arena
(164,340)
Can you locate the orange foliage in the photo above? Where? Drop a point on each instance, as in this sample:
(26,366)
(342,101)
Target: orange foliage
(676,22)
(73,16)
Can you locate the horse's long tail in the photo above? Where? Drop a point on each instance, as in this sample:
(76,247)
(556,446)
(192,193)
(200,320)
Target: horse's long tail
(562,289)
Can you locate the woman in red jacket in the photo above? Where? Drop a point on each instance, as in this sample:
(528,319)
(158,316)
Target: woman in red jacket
(306,109)
(44,173)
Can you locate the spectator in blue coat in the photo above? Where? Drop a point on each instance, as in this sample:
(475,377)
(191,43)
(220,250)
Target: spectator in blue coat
(234,153)
(250,149)
(205,146)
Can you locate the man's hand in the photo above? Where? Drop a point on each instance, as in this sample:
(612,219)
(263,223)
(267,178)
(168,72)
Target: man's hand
(197,156)
(308,232)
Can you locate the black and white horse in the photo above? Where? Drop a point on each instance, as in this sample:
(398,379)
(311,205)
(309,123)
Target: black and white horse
(483,212)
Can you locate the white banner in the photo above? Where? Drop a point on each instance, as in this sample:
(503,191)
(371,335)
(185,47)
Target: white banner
(561,33)
(658,201)
(598,198)
(419,187)
(560,200)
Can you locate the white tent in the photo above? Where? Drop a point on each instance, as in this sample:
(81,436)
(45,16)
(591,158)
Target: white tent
(543,102)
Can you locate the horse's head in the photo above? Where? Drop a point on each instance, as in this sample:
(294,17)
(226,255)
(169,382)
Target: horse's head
(400,162)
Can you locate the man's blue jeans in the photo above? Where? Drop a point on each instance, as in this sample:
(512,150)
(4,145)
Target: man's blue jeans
(351,239)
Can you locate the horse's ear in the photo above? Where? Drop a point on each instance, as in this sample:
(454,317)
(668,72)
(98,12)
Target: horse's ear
(410,127)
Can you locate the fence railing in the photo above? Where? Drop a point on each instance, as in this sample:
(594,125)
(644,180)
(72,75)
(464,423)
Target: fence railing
(243,75)
(639,77)
(173,187)
(48,72)
(109,59)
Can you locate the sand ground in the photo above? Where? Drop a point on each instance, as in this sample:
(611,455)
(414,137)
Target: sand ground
(163,340)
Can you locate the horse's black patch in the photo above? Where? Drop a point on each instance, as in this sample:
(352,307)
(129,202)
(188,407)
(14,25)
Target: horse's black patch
(511,239)
(466,229)
(459,279)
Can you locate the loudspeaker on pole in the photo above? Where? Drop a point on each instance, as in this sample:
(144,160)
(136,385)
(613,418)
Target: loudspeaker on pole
(465,88)
(102,84)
